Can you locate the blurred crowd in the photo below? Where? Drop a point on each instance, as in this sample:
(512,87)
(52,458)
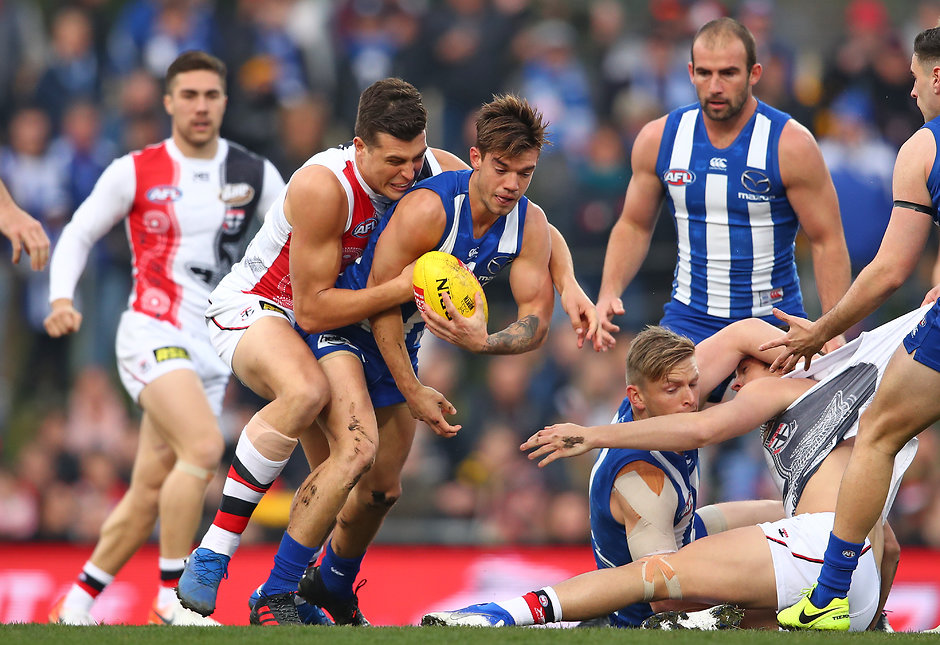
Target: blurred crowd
(80,83)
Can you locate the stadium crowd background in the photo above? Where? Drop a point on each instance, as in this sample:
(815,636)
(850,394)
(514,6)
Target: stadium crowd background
(80,84)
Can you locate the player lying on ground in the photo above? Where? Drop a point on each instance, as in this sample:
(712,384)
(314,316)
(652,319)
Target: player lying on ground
(808,429)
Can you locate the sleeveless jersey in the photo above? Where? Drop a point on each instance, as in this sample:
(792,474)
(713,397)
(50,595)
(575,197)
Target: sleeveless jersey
(265,269)
(186,219)
(608,536)
(798,440)
(485,256)
(933,179)
(735,227)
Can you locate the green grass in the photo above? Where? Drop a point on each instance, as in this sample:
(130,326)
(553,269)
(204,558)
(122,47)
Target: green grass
(35,634)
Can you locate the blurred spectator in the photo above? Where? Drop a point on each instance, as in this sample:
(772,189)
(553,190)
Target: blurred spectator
(302,129)
(467,59)
(19,509)
(138,119)
(22,42)
(861,164)
(554,81)
(267,70)
(152,33)
(74,71)
(36,179)
(97,414)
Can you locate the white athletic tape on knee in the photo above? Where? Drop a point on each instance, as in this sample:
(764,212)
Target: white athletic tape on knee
(194,470)
(270,443)
(658,564)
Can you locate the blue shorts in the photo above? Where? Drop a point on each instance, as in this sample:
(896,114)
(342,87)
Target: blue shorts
(354,339)
(684,320)
(924,339)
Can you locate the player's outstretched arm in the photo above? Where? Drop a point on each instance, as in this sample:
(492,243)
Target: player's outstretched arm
(580,309)
(415,228)
(24,232)
(754,404)
(631,234)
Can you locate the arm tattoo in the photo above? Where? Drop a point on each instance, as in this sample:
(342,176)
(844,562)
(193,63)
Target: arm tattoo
(519,337)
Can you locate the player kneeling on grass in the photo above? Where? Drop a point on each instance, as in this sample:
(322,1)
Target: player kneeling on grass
(807,428)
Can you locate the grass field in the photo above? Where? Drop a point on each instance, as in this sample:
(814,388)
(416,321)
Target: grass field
(35,634)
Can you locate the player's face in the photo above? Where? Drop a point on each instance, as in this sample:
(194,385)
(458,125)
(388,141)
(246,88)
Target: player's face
(501,181)
(196,103)
(390,166)
(750,369)
(721,78)
(677,392)
(922,92)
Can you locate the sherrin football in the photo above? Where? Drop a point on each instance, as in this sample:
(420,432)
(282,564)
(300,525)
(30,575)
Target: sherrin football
(437,272)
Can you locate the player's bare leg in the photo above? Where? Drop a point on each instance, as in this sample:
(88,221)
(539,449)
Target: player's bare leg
(176,406)
(734,566)
(331,585)
(904,404)
(125,529)
(349,425)
(273,360)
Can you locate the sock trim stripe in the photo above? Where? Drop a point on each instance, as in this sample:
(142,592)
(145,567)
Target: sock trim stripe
(236,506)
(240,473)
(230,523)
(91,590)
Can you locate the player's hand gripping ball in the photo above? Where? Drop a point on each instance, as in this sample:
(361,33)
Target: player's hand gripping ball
(437,272)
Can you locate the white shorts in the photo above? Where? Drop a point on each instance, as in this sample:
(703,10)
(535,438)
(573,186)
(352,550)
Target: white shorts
(797,545)
(230,313)
(148,348)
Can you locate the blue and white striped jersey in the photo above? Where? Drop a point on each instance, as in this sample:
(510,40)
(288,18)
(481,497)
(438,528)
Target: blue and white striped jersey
(485,256)
(608,536)
(735,227)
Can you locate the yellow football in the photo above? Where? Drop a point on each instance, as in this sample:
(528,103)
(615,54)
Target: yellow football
(437,272)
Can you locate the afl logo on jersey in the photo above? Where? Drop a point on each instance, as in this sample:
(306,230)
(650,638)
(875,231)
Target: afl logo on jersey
(678,177)
(160,194)
(755,181)
(365,228)
(239,194)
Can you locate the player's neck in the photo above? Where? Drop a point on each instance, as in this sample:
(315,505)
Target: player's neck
(722,134)
(206,150)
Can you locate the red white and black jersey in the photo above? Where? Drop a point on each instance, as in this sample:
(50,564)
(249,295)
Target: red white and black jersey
(186,221)
(265,269)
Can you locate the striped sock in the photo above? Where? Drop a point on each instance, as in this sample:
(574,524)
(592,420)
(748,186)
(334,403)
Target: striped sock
(249,478)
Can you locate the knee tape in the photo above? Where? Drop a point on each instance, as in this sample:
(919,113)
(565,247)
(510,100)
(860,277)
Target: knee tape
(659,564)
(269,442)
(194,470)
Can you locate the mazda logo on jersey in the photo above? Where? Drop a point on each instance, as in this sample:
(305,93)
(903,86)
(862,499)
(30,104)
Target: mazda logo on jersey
(678,177)
(755,181)
(494,266)
(159,194)
(237,194)
(365,228)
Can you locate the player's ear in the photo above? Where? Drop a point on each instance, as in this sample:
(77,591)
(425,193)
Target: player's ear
(476,158)
(635,396)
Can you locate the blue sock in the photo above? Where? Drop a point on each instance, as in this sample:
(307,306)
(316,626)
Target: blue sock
(290,561)
(835,577)
(338,573)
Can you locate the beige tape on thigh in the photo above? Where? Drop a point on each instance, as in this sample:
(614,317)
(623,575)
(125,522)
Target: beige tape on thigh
(713,519)
(269,442)
(194,470)
(659,564)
